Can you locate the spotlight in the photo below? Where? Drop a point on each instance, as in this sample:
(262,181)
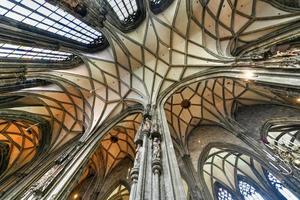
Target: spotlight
(75,196)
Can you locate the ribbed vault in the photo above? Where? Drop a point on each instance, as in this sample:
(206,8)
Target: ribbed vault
(187,38)
(116,147)
(214,101)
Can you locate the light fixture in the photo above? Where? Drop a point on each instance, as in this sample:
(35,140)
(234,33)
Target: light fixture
(75,196)
(298,99)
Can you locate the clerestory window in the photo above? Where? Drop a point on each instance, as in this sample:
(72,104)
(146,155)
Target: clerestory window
(126,10)
(125,14)
(158,6)
(223,193)
(31,53)
(49,18)
(284,193)
(248,191)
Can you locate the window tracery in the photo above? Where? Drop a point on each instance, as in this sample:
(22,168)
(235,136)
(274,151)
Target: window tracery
(125,10)
(248,191)
(230,173)
(126,15)
(46,17)
(11,51)
(222,193)
(285,193)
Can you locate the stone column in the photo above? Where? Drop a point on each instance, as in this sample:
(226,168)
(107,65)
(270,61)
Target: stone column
(156,160)
(171,182)
(192,178)
(135,171)
(139,170)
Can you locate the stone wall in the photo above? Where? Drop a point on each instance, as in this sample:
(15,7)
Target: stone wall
(204,135)
(254,117)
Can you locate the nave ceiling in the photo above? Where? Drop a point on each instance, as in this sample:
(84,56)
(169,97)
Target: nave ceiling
(138,67)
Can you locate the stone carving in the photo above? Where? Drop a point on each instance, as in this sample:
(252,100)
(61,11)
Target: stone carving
(147,125)
(155,128)
(37,190)
(138,153)
(156,149)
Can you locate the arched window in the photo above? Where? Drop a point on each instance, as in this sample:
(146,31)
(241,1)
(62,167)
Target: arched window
(223,193)
(38,16)
(248,191)
(126,10)
(11,51)
(283,192)
(230,172)
(125,14)
(158,6)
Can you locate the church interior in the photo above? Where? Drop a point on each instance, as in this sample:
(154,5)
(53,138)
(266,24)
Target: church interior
(150,99)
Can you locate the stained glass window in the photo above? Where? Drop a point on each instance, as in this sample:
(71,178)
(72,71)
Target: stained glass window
(223,194)
(155,2)
(126,10)
(248,191)
(280,187)
(157,6)
(44,16)
(11,51)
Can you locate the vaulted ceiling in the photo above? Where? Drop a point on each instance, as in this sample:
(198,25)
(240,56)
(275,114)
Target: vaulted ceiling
(187,38)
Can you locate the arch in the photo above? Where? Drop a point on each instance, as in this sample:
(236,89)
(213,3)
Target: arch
(110,163)
(23,137)
(237,169)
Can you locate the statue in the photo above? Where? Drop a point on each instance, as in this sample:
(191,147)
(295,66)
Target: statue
(154,128)
(138,153)
(156,149)
(146,125)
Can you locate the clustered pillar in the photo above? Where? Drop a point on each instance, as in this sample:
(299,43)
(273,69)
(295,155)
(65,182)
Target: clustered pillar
(146,171)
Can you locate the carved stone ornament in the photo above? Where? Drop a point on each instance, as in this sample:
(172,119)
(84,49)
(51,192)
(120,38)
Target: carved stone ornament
(138,153)
(37,190)
(156,149)
(147,125)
